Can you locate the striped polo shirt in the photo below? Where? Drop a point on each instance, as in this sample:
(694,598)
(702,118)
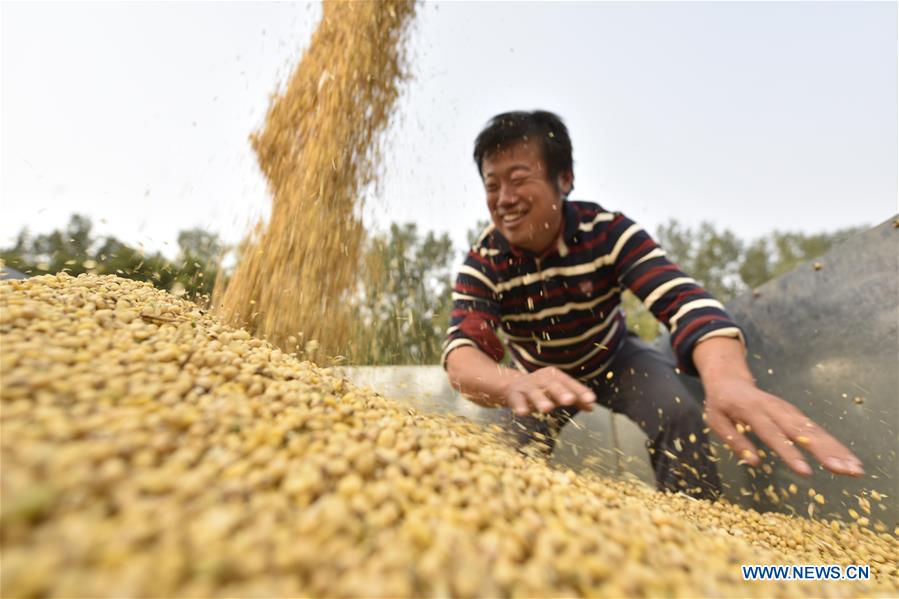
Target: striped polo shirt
(563,308)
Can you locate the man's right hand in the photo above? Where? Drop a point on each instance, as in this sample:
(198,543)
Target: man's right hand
(545,390)
(489,384)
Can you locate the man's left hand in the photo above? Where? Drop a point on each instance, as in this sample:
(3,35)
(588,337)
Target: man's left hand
(734,405)
(779,424)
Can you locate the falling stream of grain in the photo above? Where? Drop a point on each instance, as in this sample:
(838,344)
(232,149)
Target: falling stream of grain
(319,148)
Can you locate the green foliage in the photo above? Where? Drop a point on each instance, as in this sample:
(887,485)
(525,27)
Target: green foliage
(475,233)
(75,250)
(405,301)
(780,252)
(639,319)
(727,266)
(710,256)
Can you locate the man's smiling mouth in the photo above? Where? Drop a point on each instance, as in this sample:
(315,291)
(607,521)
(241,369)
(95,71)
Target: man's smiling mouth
(513,218)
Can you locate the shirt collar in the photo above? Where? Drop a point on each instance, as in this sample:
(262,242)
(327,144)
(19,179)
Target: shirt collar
(570,222)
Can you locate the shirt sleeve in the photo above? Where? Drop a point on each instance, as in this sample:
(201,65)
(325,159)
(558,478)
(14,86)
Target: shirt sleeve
(688,311)
(476,312)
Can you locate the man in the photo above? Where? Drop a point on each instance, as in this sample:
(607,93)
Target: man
(549,273)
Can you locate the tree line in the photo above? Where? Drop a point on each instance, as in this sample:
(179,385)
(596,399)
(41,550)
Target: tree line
(76,250)
(405,301)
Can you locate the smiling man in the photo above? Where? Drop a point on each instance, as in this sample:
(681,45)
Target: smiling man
(549,272)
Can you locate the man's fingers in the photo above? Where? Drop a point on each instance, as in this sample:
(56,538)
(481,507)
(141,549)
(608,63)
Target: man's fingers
(734,439)
(560,394)
(559,384)
(771,433)
(586,401)
(578,387)
(519,403)
(586,398)
(540,401)
(832,454)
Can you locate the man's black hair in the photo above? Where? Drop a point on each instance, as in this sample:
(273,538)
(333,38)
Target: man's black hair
(511,127)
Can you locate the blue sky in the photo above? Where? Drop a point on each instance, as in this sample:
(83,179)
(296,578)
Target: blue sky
(756,116)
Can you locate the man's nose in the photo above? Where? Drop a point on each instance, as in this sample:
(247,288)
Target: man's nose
(506,195)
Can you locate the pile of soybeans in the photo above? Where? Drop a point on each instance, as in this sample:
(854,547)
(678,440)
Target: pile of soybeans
(149,450)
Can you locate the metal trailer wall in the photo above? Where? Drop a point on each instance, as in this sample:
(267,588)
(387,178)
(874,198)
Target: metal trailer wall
(824,337)
(10,273)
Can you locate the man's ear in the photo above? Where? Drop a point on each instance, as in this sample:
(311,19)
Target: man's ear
(566,183)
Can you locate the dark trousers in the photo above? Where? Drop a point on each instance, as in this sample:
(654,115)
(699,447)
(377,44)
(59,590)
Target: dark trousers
(645,388)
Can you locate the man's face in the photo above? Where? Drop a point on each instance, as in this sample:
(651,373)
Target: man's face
(526,207)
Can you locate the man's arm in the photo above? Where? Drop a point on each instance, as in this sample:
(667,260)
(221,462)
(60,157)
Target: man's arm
(706,341)
(489,384)
(679,302)
(732,397)
(477,377)
(473,350)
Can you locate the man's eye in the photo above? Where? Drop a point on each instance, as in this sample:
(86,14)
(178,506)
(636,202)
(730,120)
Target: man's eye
(518,181)
(492,188)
